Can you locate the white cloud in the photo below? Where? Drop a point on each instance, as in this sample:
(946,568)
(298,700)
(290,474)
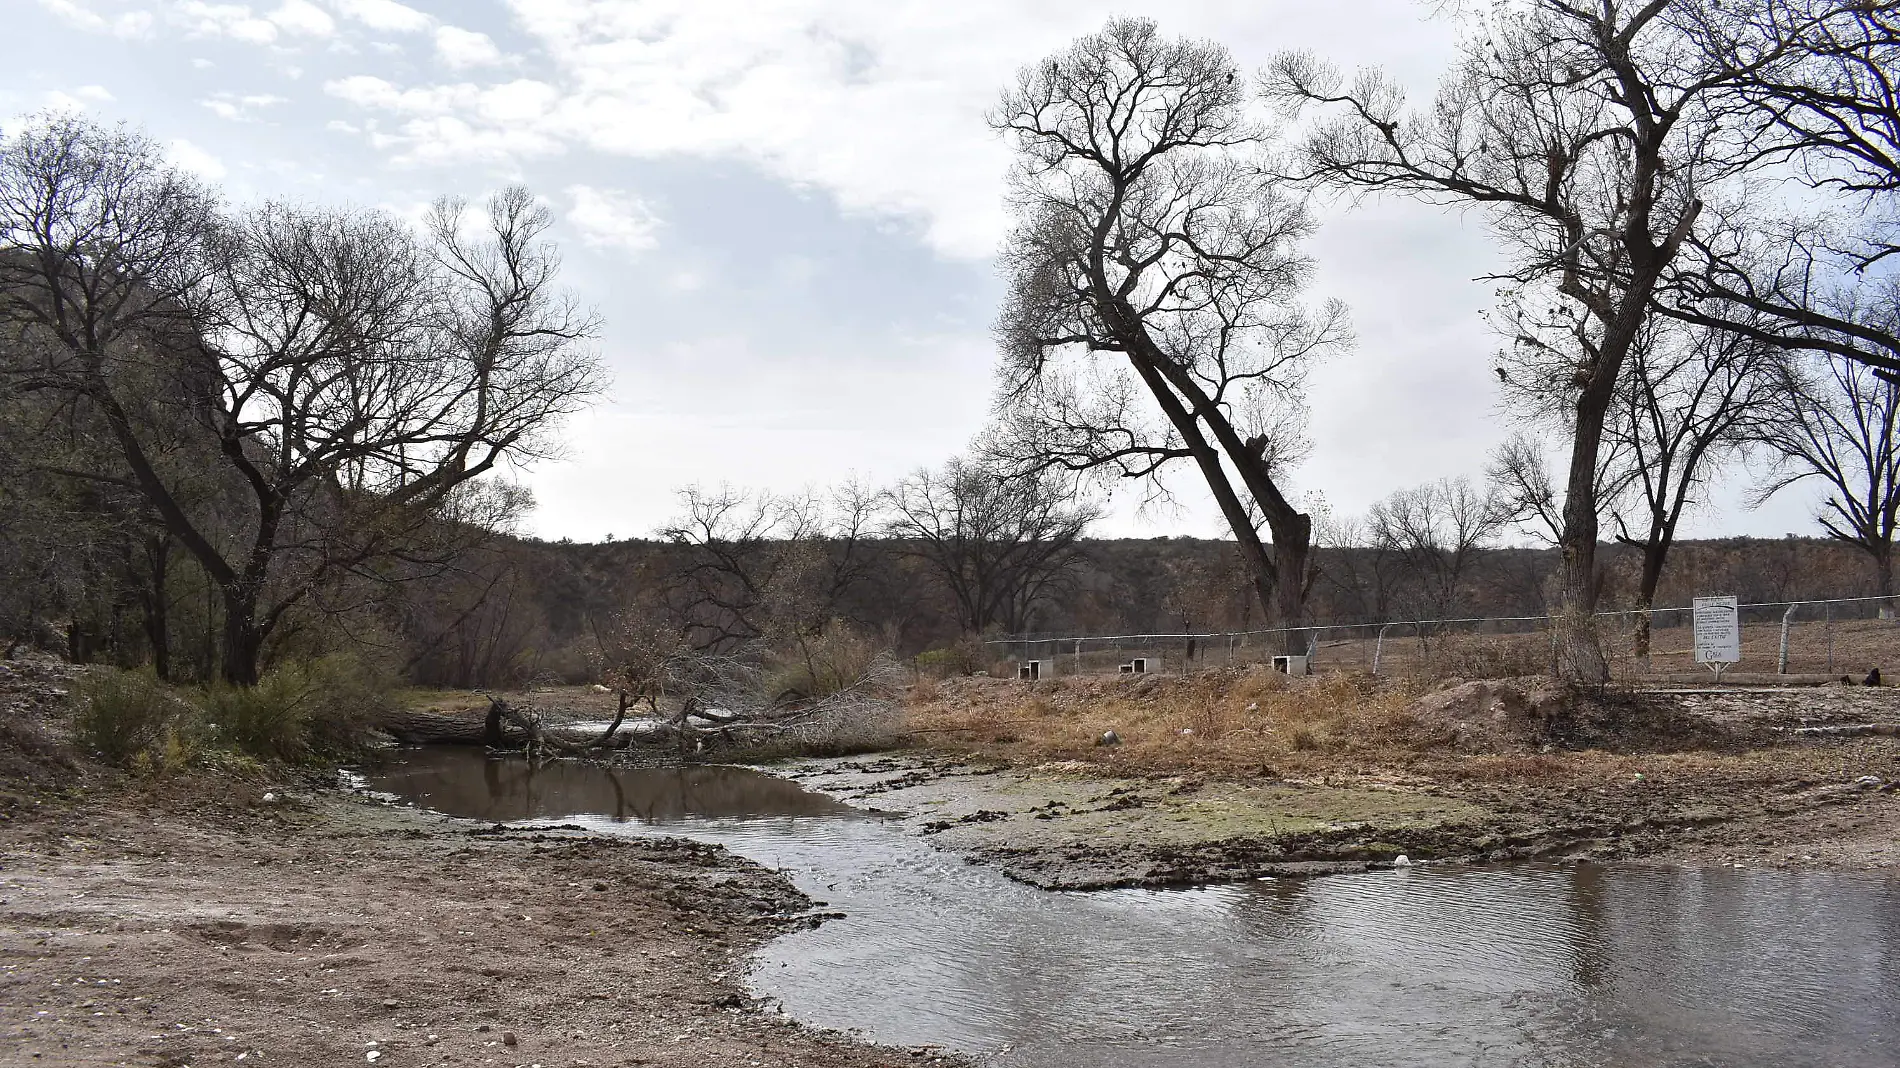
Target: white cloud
(463,121)
(460,48)
(226,20)
(193,158)
(78,100)
(878,103)
(202,64)
(241,108)
(385,15)
(612,218)
(124,24)
(303,17)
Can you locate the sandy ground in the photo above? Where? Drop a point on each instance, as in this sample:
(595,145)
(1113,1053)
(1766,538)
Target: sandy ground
(142,931)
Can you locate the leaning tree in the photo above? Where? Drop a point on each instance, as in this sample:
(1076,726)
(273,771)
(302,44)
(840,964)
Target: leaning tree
(352,378)
(1153,279)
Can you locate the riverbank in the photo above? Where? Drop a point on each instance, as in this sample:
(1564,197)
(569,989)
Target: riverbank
(243,915)
(1225,775)
(315,929)
(1233,776)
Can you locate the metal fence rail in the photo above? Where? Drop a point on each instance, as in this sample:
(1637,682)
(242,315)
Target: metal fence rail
(1802,636)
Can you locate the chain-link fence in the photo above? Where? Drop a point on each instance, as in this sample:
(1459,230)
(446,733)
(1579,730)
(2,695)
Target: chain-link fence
(1809,637)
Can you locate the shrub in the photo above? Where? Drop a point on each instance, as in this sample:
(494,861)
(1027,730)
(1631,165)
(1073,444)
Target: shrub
(131,719)
(300,712)
(812,668)
(967,657)
(1490,656)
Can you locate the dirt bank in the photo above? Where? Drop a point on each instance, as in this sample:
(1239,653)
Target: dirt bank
(325,932)
(186,920)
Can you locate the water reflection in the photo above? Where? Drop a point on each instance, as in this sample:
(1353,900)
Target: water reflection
(466,782)
(1526,965)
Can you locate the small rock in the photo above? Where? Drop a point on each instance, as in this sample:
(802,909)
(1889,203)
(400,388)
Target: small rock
(1109,738)
(508,1038)
(1869,782)
(269,797)
(1187,732)
(1401,861)
(390,1003)
(373,1056)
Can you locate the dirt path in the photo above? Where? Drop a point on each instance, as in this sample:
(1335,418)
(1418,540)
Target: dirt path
(330,932)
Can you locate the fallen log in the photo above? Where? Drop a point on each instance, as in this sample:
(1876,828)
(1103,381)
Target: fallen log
(418,727)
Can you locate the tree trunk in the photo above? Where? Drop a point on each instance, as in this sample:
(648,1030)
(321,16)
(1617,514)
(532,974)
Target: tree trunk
(1882,554)
(1655,551)
(1580,656)
(156,609)
(1291,550)
(243,639)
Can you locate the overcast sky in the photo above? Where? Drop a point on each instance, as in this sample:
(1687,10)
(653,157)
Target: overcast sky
(784,211)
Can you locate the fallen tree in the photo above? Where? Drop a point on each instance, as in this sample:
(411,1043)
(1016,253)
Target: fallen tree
(724,706)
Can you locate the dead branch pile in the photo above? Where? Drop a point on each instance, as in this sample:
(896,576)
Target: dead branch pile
(725,707)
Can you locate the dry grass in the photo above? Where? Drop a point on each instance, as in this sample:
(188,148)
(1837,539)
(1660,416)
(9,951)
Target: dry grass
(1223,721)
(1241,723)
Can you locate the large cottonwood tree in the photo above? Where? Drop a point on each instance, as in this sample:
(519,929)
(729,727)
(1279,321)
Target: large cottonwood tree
(1154,276)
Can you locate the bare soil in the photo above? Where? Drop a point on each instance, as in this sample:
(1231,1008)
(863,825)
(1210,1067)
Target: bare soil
(187,920)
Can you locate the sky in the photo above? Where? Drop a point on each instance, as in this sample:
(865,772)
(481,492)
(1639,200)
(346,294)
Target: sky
(785,213)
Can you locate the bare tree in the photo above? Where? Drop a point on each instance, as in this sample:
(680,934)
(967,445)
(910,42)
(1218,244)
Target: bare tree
(1813,100)
(1689,403)
(353,377)
(1152,275)
(1437,532)
(1838,421)
(1363,573)
(1585,132)
(999,545)
(766,567)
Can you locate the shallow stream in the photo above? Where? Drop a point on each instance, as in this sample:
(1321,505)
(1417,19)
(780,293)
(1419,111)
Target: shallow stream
(1518,965)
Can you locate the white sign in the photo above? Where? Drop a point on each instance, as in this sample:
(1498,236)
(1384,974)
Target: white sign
(1718,631)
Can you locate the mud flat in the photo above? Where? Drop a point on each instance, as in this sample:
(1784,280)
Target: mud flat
(321,930)
(1072,825)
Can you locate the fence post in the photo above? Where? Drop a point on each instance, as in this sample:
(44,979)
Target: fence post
(1378,647)
(1829,627)
(1781,661)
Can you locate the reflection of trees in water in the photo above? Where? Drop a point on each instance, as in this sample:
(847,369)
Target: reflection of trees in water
(1590,967)
(467,782)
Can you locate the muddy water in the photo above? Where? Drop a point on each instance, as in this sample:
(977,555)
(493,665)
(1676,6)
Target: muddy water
(1525,965)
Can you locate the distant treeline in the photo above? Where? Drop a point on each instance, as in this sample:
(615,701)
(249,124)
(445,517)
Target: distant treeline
(545,616)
